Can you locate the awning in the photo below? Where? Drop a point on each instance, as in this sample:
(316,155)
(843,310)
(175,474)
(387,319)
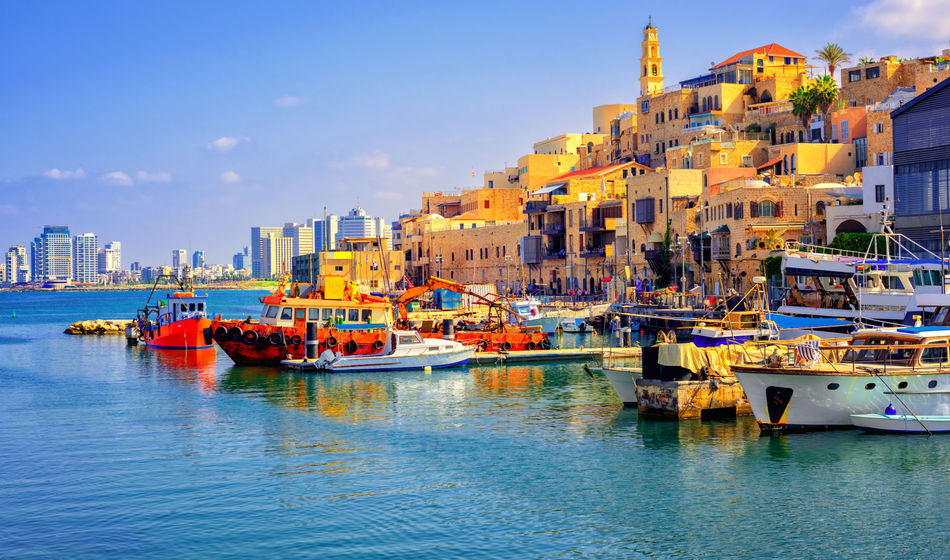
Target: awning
(769,163)
(722,229)
(610,203)
(792,322)
(655,237)
(548,189)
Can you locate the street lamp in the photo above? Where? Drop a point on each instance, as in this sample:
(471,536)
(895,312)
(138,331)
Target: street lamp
(507,274)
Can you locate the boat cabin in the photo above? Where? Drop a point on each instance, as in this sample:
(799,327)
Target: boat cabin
(911,347)
(182,305)
(339,314)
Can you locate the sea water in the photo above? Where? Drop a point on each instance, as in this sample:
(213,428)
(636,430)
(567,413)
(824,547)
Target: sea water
(109,451)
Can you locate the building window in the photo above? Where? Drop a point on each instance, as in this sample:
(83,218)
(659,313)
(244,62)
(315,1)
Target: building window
(716,101)
(728,210)
(879,127)
(747,160)
(661,206)
(671,114)
(788,61)
(487,202)
(872,72)
(854,76)
(844,131)
(723,158)
(820,208)
(878,193)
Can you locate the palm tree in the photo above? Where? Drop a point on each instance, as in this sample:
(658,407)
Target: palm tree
(833,55)
(824,93)
(865,60)
(803,104)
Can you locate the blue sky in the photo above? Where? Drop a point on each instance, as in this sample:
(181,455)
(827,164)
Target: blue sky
(166,125)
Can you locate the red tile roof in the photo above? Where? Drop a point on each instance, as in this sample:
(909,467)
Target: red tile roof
(773,49)
(592,172)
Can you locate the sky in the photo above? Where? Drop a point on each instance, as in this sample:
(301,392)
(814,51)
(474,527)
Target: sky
(169,125)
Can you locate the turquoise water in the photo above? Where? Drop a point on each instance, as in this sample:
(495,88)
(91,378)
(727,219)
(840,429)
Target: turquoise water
(109,451)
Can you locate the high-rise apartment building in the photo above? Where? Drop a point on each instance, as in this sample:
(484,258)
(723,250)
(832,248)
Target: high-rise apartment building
(302,236)
(52,254)
(259,237)
(179,258)
(18,268)
(116,248)
(241,260)
(278,256)
(86,258)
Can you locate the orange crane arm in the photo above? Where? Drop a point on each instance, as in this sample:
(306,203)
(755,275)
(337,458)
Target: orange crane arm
(435,283)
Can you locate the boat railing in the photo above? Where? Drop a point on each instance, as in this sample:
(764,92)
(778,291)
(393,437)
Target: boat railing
(793,354)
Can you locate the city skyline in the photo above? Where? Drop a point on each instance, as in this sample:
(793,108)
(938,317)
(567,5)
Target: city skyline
(218,128)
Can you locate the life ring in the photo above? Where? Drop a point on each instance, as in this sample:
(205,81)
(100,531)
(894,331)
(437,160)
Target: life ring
(482,345)
(296,340)
(351,346)
(250,337)
(530,345)
(545,344)
(275,338)
(378,345)
(235,334)
(220,333)
(505,346)
(330,342)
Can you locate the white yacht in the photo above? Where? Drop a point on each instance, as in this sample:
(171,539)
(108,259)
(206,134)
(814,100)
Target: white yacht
(403,350)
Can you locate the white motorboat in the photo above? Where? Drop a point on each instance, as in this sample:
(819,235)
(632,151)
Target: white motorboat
(534,316)
(578,326)
(623,380)
(403,350)
(901,423)
(811,385)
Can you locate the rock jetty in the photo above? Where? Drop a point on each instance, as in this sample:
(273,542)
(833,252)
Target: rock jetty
(99,326)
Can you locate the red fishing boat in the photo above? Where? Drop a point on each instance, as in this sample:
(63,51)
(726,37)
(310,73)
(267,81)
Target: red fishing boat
(349,322)
(179,322)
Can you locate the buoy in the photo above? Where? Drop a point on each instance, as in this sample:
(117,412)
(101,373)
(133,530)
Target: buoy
(428,369)
(14,314)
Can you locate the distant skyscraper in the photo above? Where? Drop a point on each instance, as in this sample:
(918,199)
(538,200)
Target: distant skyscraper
(53,254)
(259,237)
(358,224)
(324,233)
(108,261)
(136,267)
(238,261)
(116,249)
(86,258)
(198,259)
(302,236)
(179,258)
(278,256)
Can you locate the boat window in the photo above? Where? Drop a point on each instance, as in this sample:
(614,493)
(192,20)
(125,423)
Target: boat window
(935,277)
(864,354)
(869,386)
(313,314)
(896,283)
(327,314)
(340,315)
(201,307)
(898,352)
(902,385)
(300,313)
(916,280)
(271,311)
(934,354)
(286,313)
(367,315)
(191,307)
(184,307)
(941,316)
(408,339)
(932,384)
(354,316)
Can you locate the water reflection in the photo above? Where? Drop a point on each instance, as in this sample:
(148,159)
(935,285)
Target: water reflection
(195,368)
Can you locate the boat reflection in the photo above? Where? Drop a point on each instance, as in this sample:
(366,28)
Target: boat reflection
(188,367)
(514,379)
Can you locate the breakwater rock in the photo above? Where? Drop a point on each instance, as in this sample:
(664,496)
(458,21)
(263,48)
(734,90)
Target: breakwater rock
(98,326)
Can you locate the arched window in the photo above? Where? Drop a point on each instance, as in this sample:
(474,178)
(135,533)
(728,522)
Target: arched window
(716,100)
(644,70)
(670,117)
(738,249)
(657,118)
(801,136)
(785,165)
(792,164)
(662,116)
(590,147)
(820,208)
(652,51)
(767,209)
(704,104)
(766,97)
(676,113)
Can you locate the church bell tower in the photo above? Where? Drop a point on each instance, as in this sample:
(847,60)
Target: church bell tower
(651,64)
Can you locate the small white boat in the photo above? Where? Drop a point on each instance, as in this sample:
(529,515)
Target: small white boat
(534,316)
(404,350)
(575,326)
(623,380)
(901,423)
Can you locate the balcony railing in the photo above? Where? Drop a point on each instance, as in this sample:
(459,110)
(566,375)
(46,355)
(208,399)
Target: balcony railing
(552,229)
(535,207)
(553,255)
(770,108)
(593,252)
(594,225)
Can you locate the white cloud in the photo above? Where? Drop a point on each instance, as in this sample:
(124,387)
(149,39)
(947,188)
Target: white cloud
(117,178)
(227,143)
(375,160)
(925,20)
(58,174)
(160,177)
(230,177)
(287,101)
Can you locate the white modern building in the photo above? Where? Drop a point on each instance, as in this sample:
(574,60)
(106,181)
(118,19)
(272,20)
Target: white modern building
(86,258)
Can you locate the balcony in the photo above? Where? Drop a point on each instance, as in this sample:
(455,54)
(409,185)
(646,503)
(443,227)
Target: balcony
(535,207)
(553,256)
(652,254)
(594,225)
(722,252)
(552,229)
(769,108)
(593,252)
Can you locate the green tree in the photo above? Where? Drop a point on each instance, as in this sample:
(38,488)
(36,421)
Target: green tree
(865,60)
(824,94)
(664,263)
(833,56)
(803,104)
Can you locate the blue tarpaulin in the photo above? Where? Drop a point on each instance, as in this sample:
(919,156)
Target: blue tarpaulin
(793,322)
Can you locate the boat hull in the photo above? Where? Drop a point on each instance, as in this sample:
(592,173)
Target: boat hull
(623,380)
(904,423)
(187,334)
(401,363)
(816,401)
(271,344)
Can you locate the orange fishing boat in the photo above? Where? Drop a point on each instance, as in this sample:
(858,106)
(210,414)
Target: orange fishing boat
(179,322)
